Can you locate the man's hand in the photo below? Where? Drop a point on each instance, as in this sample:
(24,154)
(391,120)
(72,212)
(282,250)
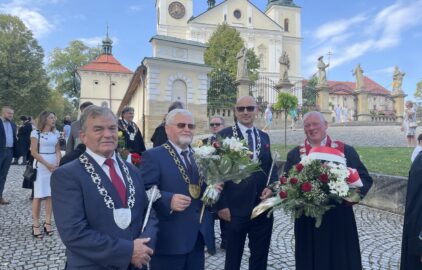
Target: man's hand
(180,202)
(266,193)
(224,214)
(141,252)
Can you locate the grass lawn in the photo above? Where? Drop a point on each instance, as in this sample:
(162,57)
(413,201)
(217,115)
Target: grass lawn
(384,160)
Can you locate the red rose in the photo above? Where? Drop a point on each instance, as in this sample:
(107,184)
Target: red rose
(283,180)
(135,158)
(323,178)
(299,167)
(294,180)
(306,187)
(282,194)
(216,145)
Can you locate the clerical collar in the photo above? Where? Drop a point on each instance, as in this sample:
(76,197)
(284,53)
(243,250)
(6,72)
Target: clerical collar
(100,159)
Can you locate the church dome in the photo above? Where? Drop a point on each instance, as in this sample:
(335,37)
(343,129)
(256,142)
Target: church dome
(288,3)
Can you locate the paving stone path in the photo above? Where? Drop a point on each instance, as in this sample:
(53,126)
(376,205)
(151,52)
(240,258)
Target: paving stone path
(379,231)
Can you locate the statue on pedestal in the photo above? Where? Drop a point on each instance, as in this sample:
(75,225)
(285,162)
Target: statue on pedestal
(284,66)
(397,79)
(322,75)
(242,64)
(358,73)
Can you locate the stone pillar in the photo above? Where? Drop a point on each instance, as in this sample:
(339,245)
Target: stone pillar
(243,85)
(284,86)
(322,100)
(362,105)
(398,100)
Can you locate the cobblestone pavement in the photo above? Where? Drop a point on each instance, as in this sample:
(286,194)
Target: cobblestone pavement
(379,231)
(386,136)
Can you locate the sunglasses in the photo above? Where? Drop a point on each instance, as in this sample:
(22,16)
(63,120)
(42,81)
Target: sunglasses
(183,125)
(215,124)
(248,108)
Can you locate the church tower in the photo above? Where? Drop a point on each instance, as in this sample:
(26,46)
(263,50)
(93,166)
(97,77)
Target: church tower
(288,15)
(104,80)
(173,17)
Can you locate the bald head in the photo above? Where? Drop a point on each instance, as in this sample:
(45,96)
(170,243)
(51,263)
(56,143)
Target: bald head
(246,111)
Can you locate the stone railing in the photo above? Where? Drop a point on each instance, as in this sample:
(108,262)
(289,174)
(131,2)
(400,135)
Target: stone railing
(383,118)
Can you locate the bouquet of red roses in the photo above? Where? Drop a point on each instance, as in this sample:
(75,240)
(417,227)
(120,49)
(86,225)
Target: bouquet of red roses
(314,185)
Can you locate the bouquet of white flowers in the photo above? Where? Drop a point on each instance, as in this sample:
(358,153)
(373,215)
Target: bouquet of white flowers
(223,160)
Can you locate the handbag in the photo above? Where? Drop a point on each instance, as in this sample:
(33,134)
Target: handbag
(30,173)
(413,124)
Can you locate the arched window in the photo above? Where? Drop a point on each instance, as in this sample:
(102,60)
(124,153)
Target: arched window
(179,91)
(286,25)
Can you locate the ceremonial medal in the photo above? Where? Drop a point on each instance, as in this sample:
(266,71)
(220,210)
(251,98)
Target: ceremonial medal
(194,191)
(132,136)
(122,217)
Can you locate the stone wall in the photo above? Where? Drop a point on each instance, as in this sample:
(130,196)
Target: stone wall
(387,192)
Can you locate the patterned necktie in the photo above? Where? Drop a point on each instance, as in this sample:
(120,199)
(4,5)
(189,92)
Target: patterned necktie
(187,162)
(250,140)
(117,181)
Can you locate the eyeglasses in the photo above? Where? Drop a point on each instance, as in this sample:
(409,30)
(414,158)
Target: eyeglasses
(248,108)
(183,125)
(215,124)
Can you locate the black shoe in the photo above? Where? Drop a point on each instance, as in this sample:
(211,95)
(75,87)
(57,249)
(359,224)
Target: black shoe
(49,233)
(39,235)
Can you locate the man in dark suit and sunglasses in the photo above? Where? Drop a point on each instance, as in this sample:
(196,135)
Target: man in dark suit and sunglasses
(238,200)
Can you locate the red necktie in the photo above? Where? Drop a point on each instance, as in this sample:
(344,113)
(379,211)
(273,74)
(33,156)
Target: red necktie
(117,181)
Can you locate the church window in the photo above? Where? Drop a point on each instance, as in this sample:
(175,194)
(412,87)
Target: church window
(225,17)
(286,25)
(250,19)
(113,83)
(237,14)
(96,82)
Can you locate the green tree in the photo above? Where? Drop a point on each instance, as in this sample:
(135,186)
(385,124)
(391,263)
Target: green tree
(285,102)
(418,92)
(309,95)
(61,106)
(63,64)
(23,80)
(223,46)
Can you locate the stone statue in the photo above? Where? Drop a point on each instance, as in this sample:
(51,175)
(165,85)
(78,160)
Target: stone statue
(242,64)
(358,73)
(284,66)
(322,75)
(397,78)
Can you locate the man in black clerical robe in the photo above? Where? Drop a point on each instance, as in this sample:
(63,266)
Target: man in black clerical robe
(335,244)
(411,253)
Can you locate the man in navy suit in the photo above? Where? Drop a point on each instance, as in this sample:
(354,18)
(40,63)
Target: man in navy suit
(7,146)
(238,200)
(181,238)
(99,202)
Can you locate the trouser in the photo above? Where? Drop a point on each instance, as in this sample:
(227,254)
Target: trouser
(6,155)
(259,232)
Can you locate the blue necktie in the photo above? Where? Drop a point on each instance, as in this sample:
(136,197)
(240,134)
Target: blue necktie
(187,162)
(250,140)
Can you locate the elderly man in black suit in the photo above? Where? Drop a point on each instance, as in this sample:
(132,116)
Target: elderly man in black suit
(238,200)
(7,146)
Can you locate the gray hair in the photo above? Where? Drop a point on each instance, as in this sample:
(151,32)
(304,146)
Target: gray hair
(314,113)
(219,117)
(94,111)
(170,116)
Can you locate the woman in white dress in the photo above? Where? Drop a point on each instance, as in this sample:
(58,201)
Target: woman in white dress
(409,124)
(45,149)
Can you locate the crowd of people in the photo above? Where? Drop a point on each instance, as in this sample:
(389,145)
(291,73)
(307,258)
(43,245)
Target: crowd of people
(101,202)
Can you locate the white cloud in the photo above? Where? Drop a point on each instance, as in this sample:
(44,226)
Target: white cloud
(31,17)
(136,8)
(332,29)
(96,41)
(386,70)
(352,38)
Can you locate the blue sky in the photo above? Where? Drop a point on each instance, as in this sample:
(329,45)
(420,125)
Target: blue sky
(376,34)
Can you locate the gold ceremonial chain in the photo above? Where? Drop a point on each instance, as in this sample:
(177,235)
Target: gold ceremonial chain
(194,190)
(125,128)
